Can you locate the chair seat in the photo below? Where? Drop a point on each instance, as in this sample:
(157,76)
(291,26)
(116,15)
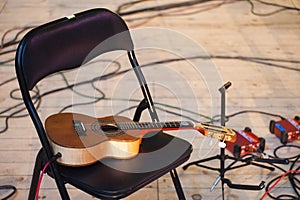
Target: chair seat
(116,178)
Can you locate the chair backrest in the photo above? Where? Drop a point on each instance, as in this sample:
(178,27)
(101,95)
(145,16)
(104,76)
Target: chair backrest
(65,43)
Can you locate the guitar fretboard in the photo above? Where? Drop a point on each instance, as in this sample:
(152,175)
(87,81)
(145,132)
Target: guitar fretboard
(153,125)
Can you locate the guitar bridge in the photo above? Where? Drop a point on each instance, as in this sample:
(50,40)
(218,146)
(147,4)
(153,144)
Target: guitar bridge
(79,127)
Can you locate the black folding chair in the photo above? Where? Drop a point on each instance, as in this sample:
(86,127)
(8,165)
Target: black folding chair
(67,43)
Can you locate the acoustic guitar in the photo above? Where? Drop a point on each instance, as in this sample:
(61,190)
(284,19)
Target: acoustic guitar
(83,140)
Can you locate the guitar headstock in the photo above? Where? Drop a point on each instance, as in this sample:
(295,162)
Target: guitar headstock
(219,132)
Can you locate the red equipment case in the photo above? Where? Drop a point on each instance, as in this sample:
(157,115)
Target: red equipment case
(246,143)
(287,130)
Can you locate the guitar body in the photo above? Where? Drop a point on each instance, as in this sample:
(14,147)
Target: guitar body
(84,147)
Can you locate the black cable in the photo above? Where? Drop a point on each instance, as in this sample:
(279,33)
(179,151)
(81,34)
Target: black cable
(294,181)
(278,5)
(263,14)
(162,109)
(8,187)
(177,114)
(157,8)
(37,96)
(275,151)
(255,111)
(14,40)
(217,118)
(127,5)
(3,6)
(7,81)
(259,60)
(16,114)
(126,109)
(11,43)
(117,72)
(291,177)
(92,82)
(174,10)
(161,9)
(164,7)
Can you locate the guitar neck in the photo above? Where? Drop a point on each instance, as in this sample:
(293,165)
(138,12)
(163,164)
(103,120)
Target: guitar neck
(173,125)
(210,130)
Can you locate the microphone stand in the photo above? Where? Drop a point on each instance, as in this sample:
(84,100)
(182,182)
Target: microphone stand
(222,90)
(222,157)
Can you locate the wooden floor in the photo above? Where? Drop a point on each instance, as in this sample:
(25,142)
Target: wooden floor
(258,54)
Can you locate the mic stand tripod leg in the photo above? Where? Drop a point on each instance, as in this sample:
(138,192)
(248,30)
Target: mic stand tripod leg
(222,169)
(215,183)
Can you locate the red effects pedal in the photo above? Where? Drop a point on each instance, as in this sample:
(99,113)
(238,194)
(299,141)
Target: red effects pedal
(246,143)
(287,130)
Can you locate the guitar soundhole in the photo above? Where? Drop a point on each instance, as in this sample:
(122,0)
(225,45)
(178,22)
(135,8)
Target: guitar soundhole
(109,128)
(106,129)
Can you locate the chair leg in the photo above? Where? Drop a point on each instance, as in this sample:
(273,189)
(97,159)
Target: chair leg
(177,184)
(40,160)
(36,174)
(60,184)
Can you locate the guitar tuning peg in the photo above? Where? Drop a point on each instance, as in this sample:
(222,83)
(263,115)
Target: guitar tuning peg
(222,144)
